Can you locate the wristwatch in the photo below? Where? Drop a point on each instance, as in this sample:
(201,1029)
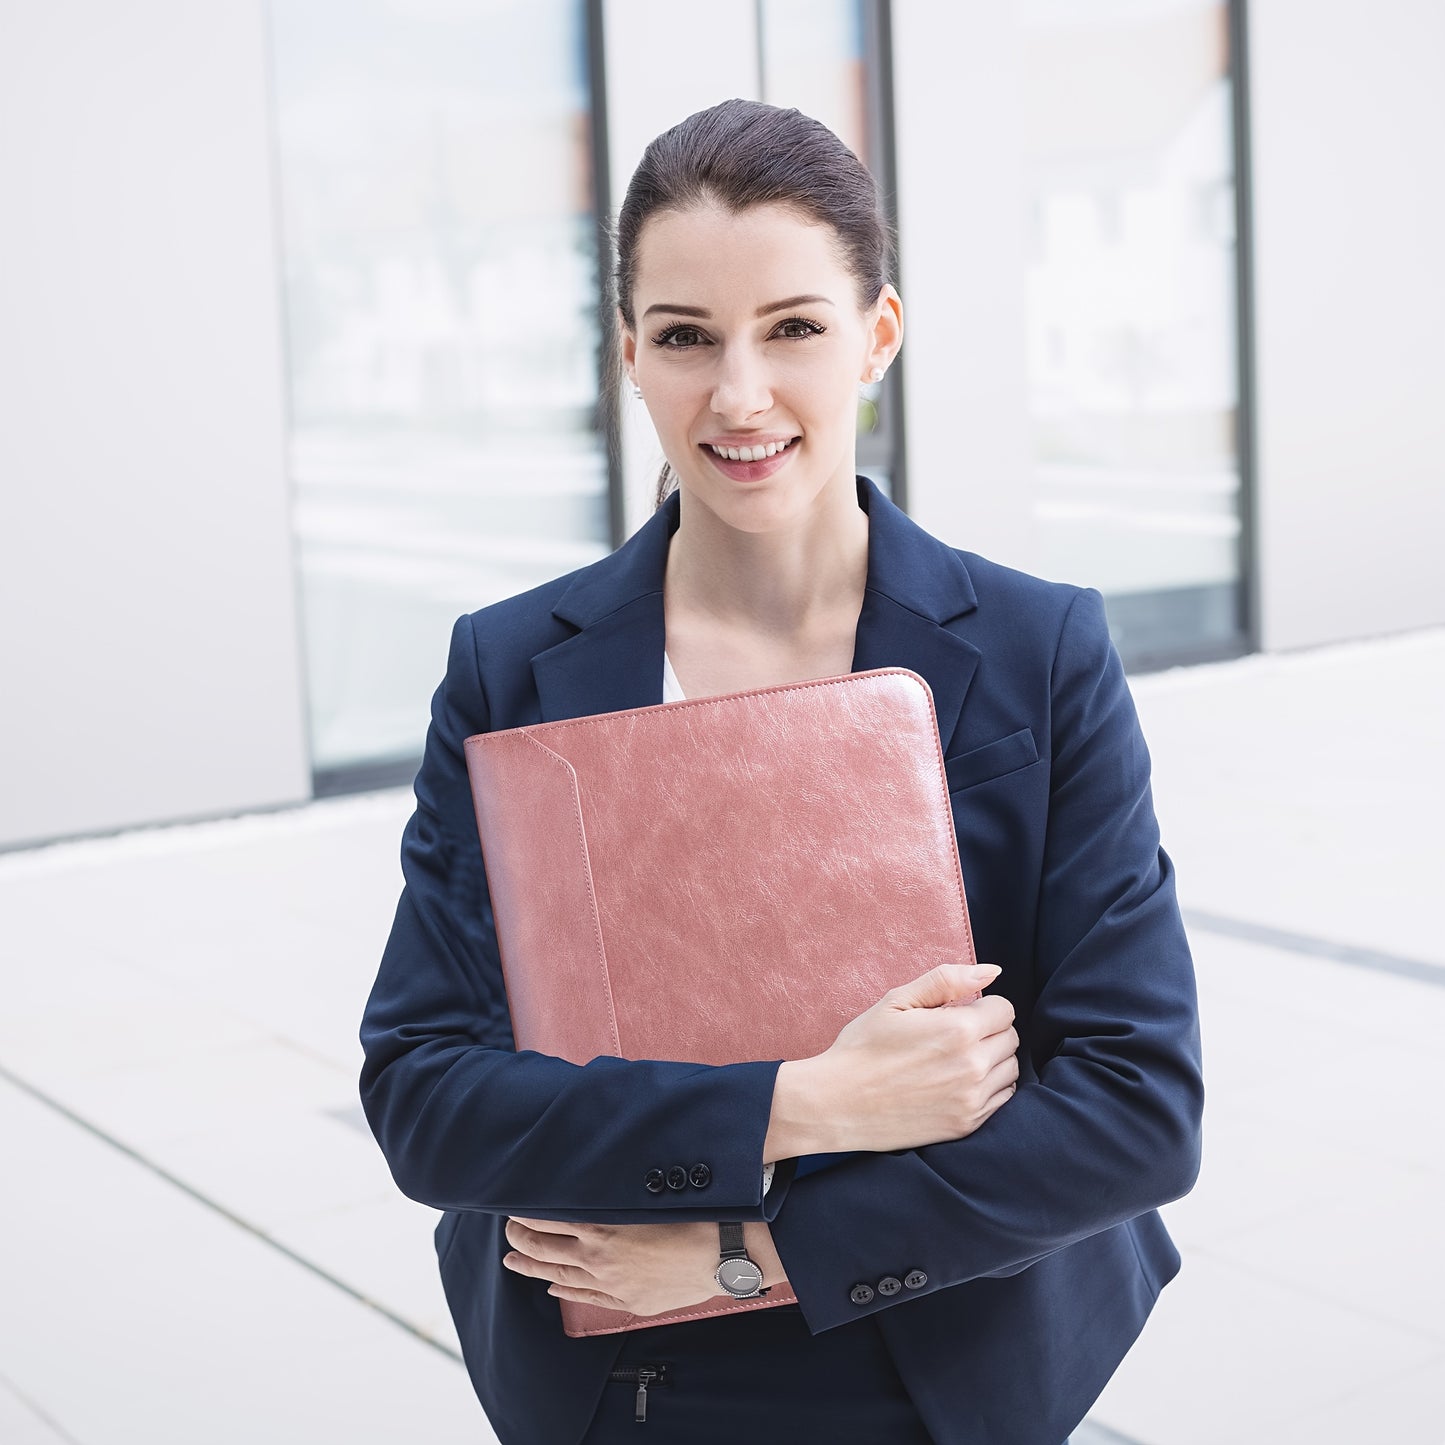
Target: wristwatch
(736,1273)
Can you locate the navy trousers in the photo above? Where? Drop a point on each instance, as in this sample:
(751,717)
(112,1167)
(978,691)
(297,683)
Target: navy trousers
(726,1377)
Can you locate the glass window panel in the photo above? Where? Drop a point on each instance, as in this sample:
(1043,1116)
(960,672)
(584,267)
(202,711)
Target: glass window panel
(815,55)
(441,318)
(812,58)
(1131,313)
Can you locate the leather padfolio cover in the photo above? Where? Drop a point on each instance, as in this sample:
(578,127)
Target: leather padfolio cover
(718,879)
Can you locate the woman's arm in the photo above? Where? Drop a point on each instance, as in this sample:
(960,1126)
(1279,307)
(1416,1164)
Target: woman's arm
(465,1122)
(1109,1127)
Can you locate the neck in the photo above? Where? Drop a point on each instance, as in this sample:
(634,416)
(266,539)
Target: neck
(788,581)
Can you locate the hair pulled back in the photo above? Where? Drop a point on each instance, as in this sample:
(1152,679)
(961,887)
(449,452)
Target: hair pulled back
(743,153)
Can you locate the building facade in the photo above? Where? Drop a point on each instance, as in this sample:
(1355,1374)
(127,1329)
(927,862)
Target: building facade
(304,339)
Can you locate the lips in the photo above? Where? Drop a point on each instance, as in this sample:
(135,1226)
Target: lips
(755,453)
(751,463)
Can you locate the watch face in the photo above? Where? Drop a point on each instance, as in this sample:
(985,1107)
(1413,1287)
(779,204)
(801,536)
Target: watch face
(739,1276)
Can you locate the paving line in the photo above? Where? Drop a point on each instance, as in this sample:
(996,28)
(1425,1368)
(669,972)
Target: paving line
(49,1421)
(402,1323)
(1414,969)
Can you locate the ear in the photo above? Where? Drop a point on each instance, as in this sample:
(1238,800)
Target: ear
(627,349)
(886,335)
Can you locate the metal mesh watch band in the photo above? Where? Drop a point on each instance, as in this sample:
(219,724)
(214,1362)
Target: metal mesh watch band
(738,1275)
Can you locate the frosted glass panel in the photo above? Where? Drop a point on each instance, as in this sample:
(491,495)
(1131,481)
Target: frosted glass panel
(1131,304)
(441,314)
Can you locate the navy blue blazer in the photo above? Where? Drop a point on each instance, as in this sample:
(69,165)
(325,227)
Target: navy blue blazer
(1037,1235)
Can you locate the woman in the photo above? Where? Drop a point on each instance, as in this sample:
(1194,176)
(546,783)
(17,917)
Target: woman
(978,1271)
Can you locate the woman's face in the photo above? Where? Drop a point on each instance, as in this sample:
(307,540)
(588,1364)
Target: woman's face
(749,349)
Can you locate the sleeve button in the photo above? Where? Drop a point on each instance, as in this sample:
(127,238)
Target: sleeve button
(915,1279)
(701,1176)
(677,1177)
(861,1294)
(888,1285)
(654,1181)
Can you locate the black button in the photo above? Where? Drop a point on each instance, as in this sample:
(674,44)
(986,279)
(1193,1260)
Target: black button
(915,1279)
(654,1181)
(677,1177)
(889,1285)
(861,1294)
(701,1176)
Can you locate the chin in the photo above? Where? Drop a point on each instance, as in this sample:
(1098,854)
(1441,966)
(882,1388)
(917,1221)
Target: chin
(763,508)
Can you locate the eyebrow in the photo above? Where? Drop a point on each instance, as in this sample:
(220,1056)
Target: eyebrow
(702,314)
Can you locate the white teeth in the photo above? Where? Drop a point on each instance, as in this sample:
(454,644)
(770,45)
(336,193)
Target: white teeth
(750,454)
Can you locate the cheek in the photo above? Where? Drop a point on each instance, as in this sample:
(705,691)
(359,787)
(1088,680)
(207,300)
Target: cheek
(672,394)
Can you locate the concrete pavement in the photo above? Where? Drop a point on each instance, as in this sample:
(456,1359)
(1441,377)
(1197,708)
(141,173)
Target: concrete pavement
(200,1242)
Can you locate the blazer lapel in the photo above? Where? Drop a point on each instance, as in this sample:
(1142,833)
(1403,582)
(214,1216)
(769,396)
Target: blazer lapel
(615,661)
(916,584)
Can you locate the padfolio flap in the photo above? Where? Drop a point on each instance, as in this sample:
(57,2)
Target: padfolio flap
(766,864)
(539,878)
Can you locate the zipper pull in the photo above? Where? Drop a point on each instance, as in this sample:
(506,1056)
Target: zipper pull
(645,1375)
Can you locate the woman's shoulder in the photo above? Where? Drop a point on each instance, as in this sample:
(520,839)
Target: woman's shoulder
(1026,603)
(512,629)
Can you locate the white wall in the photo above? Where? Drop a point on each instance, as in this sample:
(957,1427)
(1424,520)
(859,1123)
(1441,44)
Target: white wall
(960,128)
(148,648)
(1348,104)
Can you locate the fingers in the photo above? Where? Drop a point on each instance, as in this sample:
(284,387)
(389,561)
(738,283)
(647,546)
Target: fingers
(994,1104)
(1002,1079)
(946,984)
(994,1015)
(541,1244)
(549,1226)
(567,1275)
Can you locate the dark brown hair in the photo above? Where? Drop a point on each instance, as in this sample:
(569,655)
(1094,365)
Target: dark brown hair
(743,153)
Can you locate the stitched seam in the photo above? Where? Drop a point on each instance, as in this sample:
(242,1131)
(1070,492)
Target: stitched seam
(591,893)
(739,1307)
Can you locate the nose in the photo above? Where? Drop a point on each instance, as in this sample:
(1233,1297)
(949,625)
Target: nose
(741,389)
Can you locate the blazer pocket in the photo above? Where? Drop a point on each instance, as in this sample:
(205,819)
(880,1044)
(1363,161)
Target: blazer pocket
(992,760)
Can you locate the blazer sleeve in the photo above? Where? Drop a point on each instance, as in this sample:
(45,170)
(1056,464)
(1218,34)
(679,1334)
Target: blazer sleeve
(465,1121)
(1105,1124)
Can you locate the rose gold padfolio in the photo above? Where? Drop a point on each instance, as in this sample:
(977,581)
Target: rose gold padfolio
(718,879)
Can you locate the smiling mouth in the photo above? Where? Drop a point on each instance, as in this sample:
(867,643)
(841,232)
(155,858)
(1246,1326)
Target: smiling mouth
(750,454)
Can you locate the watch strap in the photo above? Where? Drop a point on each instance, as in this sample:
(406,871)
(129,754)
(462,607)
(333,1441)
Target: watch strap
(730,1240)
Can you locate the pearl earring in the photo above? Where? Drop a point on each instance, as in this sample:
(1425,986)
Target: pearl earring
(636,390)
(876,374)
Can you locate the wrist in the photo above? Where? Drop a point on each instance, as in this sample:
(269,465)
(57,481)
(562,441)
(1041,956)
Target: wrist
(803,1112)
(759,1241)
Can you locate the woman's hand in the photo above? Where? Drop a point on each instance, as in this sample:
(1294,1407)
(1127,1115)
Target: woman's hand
(930,1061)
(647,1269)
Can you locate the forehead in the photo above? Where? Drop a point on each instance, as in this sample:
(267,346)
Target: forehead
(715,258)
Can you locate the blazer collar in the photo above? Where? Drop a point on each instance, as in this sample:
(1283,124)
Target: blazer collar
(916,584)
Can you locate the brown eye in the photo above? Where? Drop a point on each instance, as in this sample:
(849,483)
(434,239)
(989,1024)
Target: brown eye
(798,328)
(679,338)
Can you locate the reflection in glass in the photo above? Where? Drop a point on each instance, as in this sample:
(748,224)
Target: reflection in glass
(441,319)
(1131,303)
